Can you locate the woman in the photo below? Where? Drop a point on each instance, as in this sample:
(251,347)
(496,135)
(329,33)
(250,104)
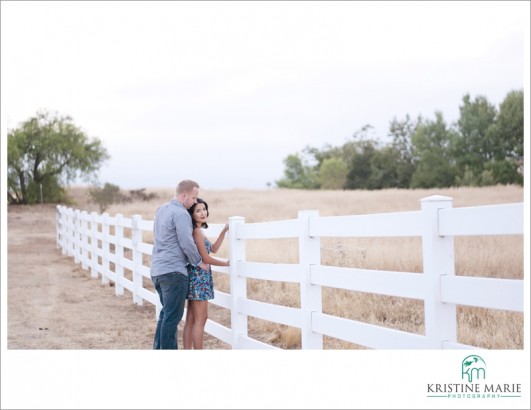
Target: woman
(201,288)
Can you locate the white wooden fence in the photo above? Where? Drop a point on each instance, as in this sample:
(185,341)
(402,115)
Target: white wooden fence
(88,239)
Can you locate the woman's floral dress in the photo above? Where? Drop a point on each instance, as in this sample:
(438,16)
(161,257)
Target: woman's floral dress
(201,282)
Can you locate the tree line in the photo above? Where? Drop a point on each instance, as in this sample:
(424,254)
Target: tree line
(484,147)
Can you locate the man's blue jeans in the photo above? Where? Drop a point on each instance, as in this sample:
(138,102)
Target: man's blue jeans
(172,289)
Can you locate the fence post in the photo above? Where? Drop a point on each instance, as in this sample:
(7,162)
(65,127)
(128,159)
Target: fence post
(84,239)
(94,245)
(238,284)
(77,236)
(70,232)
(438,260)
(58,226)
(137,259)
(61,223)
(105,263)
(311,297)
(119,251)
(66,231)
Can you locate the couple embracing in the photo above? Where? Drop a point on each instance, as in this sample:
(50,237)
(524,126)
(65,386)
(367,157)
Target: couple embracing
(180,267)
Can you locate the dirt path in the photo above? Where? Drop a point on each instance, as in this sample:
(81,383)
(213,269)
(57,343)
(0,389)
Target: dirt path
(54,304)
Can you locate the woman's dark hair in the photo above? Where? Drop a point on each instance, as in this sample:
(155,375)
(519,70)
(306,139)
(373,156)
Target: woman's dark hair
(191,212)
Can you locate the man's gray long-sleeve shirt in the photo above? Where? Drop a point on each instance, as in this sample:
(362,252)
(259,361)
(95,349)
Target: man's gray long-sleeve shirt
(173,245)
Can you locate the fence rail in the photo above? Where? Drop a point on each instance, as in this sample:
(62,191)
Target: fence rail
(89,240)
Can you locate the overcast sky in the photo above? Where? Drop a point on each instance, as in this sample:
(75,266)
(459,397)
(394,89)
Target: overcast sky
(222,92)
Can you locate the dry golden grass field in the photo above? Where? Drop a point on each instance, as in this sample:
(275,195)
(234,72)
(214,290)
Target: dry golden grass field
(68,309)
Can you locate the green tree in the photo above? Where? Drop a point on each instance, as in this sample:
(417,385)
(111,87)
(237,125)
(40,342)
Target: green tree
(476,143)
(332,174)
(298,174)
(359,172)
(508,133)
(357,153)
(384,168)
(489,147)
(509,125)
(435,166)
(402,133)
(44,154)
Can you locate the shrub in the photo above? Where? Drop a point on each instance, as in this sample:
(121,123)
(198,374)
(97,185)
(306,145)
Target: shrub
(106,196)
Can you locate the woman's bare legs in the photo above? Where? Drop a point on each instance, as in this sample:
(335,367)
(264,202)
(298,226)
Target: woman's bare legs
(199,309)
(187,331)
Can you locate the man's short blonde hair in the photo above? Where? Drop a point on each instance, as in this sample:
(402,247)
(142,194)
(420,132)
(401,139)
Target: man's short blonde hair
(186,186)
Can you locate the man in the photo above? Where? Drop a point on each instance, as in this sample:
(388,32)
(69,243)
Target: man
(173,248)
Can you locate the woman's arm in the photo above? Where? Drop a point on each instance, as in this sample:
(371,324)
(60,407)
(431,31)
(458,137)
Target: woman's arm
(199,240)
(219,241)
